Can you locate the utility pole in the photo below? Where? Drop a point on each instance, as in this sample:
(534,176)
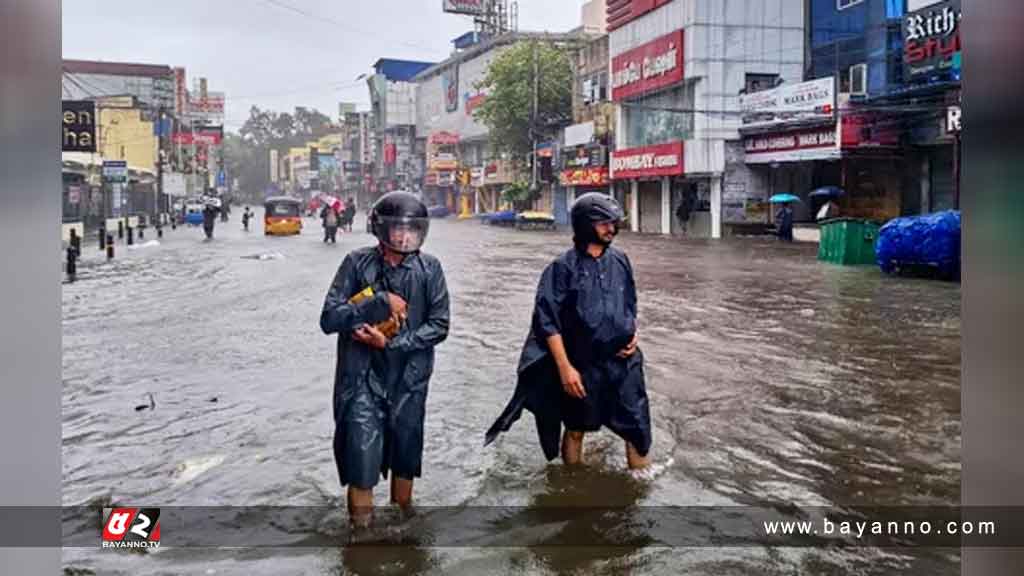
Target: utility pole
(160,192)
(535,113)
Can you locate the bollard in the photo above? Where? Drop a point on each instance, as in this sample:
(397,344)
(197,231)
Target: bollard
(159,231)
(174,223)
(131,236)
(120,229)
(110,246)
(103,239)
(72,267)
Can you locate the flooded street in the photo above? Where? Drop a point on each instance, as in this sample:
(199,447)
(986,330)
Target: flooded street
(773,378)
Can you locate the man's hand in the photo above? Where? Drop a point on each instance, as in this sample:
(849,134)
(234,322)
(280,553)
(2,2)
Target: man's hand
(630,348)
(572,383)
(399,308)
(370,336)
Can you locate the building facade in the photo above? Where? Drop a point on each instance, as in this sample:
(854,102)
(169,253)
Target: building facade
(393,101)
(677,70)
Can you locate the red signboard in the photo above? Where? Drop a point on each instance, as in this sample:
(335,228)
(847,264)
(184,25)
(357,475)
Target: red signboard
(584,177)
(444,138)
(207,137)
(390,153)
(660,160)
(622,12)
(868,129)
(654,65)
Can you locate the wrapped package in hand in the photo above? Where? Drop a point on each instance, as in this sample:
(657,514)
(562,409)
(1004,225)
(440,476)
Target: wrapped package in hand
(390,327)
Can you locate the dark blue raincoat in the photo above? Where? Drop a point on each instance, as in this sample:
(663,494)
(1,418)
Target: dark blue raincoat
(380,395)
(592,303)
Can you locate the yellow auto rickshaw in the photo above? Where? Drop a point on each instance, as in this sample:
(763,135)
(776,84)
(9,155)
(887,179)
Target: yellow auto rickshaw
(282,216)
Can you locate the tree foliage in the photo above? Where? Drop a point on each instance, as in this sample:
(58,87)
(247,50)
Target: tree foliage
(508,110)
(247,154)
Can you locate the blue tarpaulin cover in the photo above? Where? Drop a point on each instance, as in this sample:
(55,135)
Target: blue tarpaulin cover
(930,240)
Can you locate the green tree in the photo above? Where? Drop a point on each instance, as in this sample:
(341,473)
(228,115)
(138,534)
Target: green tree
(508,110)
(247,153)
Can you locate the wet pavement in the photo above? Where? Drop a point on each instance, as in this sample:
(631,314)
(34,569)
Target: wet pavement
(773,378)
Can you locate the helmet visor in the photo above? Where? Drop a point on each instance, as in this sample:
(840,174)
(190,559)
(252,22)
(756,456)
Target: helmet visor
(404,235)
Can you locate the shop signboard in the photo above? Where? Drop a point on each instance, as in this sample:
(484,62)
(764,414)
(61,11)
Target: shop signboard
(648,161)
(792,146)
(78,126)
(652,66)
(931,40)
(805,101)
(584,177)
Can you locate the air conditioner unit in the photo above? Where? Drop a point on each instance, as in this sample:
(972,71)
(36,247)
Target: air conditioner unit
(859,79)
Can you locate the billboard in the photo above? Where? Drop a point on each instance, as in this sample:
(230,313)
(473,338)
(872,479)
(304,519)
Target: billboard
(812,100)
(470,7)
(450,87)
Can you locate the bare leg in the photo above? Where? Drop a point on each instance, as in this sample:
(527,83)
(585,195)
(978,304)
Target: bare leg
(572,447)
(634,460)
(401,492)
(360,506)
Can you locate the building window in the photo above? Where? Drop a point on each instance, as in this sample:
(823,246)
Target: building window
(859,79)
(759,82)
(844,4)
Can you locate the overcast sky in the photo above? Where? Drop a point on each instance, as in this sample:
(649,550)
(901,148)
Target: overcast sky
(266,53)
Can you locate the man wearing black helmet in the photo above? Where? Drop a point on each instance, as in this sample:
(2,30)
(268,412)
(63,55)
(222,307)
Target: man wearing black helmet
(389,306)
(581,366)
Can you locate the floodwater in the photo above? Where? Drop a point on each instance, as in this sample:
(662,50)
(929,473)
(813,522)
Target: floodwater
(773,378)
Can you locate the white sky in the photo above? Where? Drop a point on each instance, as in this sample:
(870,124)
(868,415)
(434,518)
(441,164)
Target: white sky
(263,53)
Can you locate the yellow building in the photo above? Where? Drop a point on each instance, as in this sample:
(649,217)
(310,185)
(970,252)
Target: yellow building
(124,135)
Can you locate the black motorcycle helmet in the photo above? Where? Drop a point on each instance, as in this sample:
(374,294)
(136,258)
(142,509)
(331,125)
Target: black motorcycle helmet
(591,209)
(400,221)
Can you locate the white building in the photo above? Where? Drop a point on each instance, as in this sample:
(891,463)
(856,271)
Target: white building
(677,72)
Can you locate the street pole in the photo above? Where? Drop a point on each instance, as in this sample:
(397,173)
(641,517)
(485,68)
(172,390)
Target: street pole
(535,112)
(159,166)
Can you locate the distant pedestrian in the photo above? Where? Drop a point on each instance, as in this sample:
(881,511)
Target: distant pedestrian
(246,216)
(684,209)
(330,218)
(785,220)
(349,214)
(209,219)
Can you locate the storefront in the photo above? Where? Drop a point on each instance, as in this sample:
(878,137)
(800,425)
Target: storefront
(648,171)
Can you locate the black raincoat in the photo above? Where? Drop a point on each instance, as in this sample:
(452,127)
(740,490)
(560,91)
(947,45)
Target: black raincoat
(592,304)
(380,395)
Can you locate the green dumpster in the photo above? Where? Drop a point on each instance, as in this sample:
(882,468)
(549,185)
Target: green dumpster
(848,241)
